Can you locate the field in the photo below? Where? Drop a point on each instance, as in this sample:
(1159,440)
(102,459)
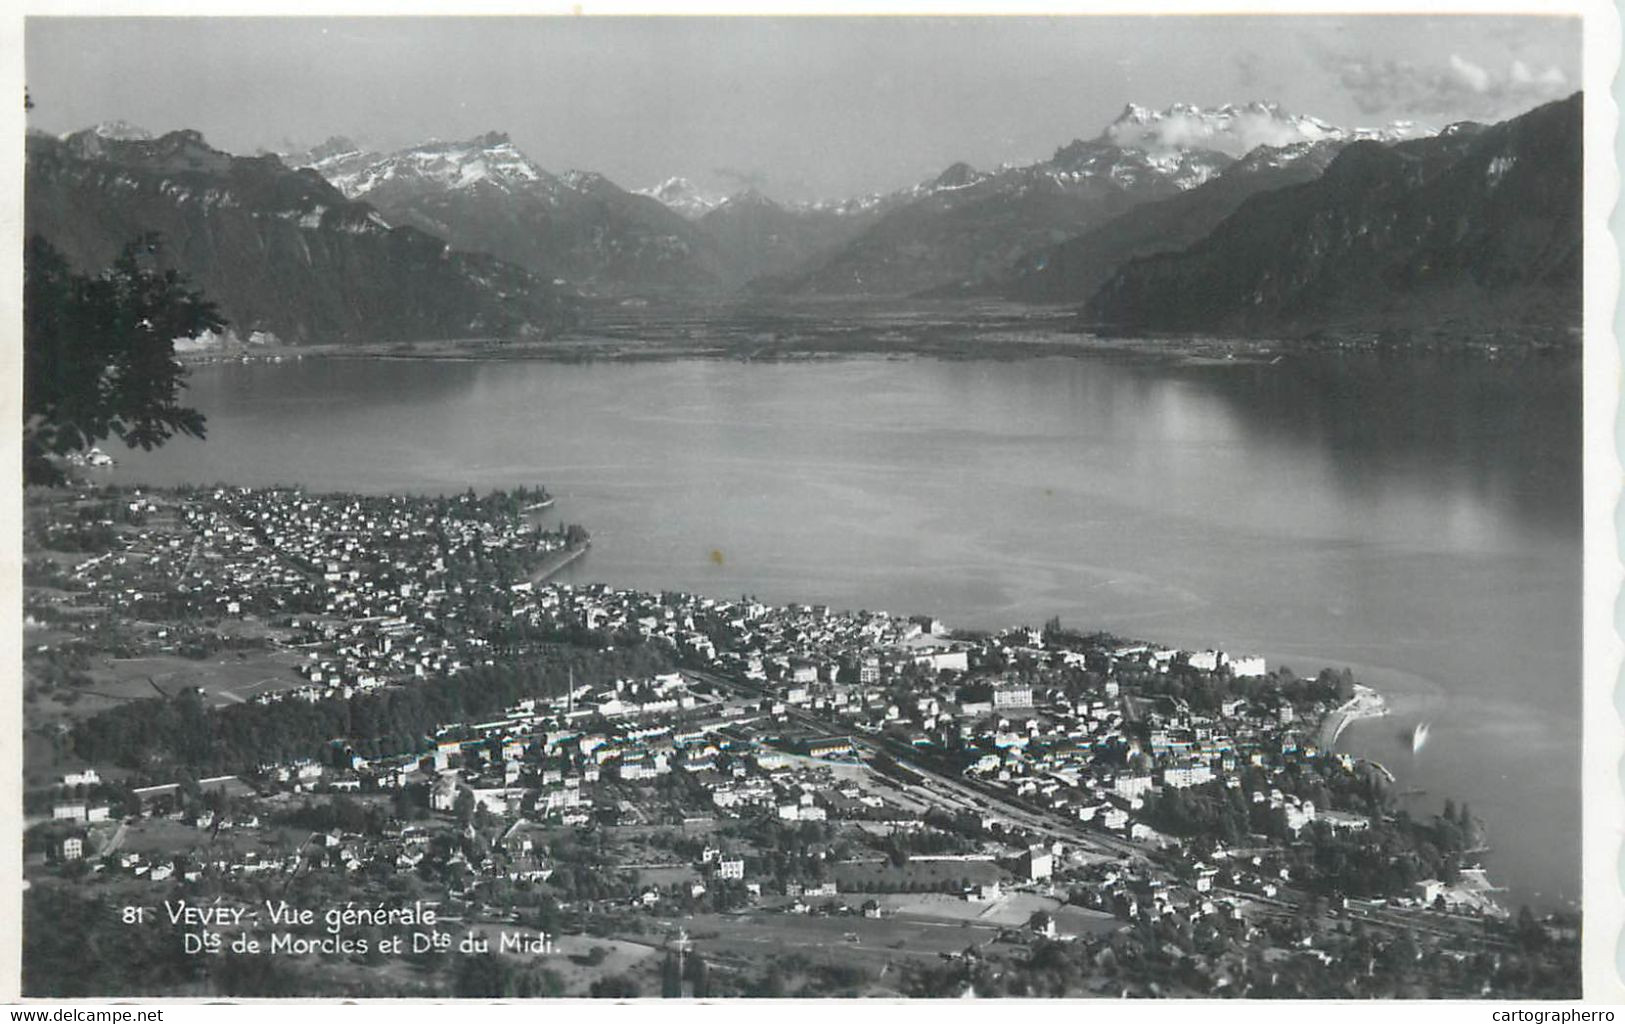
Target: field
(226,678)
(845,939)
(886,877)
(664,876)
(158,838)
(1011,910)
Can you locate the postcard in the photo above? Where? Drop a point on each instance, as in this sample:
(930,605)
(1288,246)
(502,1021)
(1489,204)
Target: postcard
(1051,504)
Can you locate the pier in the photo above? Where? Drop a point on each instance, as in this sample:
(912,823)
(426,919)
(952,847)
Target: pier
(555,562)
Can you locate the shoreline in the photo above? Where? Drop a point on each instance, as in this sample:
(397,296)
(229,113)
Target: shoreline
(1473,890)
(556,562)
(810,331)
(1189,351)
(1366,703)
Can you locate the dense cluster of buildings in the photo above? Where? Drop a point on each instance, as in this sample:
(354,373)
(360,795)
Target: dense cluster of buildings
(368,590)
(1057,762)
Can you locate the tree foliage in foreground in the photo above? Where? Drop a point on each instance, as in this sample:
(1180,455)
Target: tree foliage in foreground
(98,354)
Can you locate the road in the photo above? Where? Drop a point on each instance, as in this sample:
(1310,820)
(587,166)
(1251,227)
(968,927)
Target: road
(115,842)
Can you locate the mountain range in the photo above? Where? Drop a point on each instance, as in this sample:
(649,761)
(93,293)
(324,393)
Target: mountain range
(1240,219)
(484,194)
(961,227)
(280,251)
(580,227)
(967,228)
(1474,231)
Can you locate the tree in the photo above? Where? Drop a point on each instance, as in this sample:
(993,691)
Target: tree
(482,977)
(698,973)
(1529,933)
(464,807)
(671,979)
(98,354)
(616,986)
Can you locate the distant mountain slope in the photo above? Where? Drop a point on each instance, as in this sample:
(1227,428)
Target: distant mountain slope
(683,197)
(967,226)
(1076,268)
(754,236)
(279,250)
(483,194)
(1472,231)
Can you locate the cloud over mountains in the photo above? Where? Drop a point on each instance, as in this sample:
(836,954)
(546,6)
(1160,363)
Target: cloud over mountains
(1457,85)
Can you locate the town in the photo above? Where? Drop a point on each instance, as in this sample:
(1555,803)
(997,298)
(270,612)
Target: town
(389,701)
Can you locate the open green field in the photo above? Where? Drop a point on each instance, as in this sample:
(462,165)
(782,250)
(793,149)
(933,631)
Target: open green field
(1011,910)
(160,836)
(225,678)
(926,874)
(846,939)
(662,877)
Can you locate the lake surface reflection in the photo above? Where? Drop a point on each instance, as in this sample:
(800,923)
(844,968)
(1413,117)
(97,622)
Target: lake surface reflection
(1416,517)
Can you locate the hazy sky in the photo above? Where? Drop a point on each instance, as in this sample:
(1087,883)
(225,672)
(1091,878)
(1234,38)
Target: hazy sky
(799,107)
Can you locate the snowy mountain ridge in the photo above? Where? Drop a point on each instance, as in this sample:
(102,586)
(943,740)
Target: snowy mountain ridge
(490,160)
(1235,130)
(1183,144)
(683,196)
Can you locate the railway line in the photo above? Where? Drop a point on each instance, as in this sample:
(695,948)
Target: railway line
(980,797)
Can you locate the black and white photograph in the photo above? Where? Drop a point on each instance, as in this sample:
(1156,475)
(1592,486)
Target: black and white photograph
(932,506)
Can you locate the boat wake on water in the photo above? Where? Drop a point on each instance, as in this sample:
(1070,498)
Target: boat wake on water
(1419,737)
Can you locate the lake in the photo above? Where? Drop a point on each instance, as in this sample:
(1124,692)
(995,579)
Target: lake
(1416,517)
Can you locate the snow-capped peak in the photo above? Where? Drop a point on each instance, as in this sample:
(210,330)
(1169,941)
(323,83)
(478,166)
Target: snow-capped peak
(1231,129)
(681,195)
(748,197)
(1393,131)
(1133,113)
(489,160)
(335,148)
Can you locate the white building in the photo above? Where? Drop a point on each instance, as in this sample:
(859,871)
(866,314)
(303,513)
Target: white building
(444,795)
(1040,863)
(1012,696)
(951,661)
(1130,786)
(1247,667)
(1182,776)
(1206,661)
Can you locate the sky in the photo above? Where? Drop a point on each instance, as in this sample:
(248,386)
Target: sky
(800,108)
